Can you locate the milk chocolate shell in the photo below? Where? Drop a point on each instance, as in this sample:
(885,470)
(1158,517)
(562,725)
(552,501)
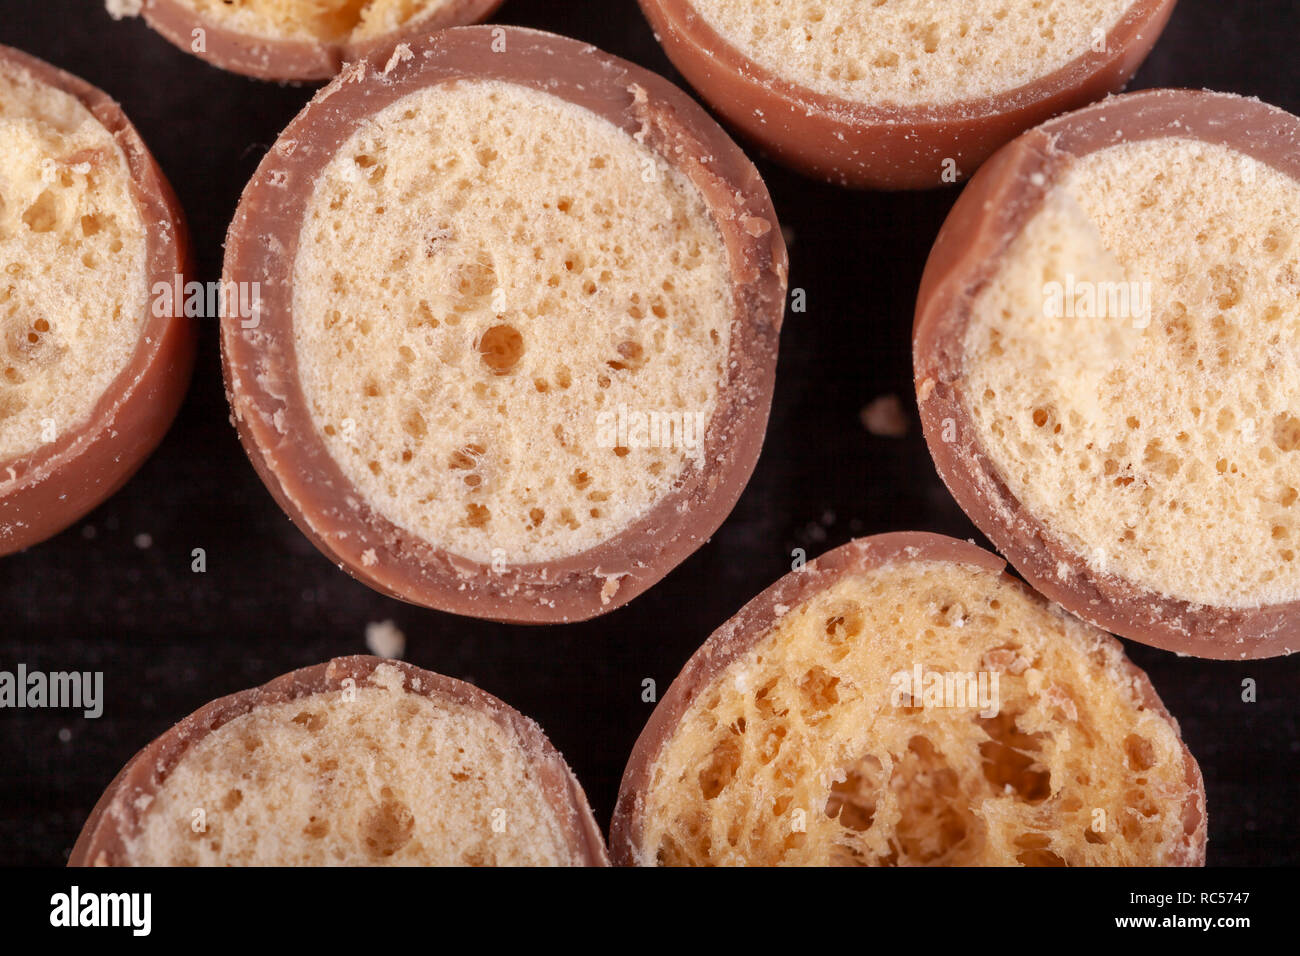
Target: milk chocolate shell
(474,350)
(93,363)
(1133,454)
(902,701)
(358,761)
(869,140)
(210,30)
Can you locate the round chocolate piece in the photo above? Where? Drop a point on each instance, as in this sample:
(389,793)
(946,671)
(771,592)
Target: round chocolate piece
(297,40)
(1102,347)
(903,701)
(358,761)
(96,351)
(886,97)
(520,307)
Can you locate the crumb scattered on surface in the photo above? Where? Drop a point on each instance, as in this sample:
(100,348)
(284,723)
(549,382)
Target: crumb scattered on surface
(119,9)
(608,590)
(884,416)
(385,639)
(144,541)
(400,55)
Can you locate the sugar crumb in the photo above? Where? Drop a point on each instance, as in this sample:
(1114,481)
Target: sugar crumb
(384,639)
(884,416)
(120,9)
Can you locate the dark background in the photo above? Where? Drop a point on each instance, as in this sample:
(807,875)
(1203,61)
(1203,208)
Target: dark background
(169,640)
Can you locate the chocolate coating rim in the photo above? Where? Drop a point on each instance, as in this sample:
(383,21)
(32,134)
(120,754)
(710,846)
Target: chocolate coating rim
(752,623)
(839,140)
(996,205)
(65,479)
(101,842)
(296,61)
(266,395)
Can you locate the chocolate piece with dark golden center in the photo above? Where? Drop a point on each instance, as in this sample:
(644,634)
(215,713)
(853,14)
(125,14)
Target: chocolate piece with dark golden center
(519,324)
(298,40)
(911,94)
(902,701)
(359,761)
(93,364)
(1105,349)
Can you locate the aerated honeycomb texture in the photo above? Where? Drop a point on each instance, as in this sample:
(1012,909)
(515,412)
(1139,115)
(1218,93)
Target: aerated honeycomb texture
(912,52)
(387,778)
(73,289)
(489,280)
(799,752)
(1164,448)
(327,21)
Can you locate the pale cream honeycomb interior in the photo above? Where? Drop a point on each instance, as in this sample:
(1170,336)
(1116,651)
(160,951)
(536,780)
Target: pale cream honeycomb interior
(73,247)
(1164,446)
(381,778)
(912,52)
(489,280)
(327,21)
(799,752)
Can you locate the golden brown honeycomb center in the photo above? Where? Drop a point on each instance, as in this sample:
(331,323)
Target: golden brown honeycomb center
(328,21)
(1020,743)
